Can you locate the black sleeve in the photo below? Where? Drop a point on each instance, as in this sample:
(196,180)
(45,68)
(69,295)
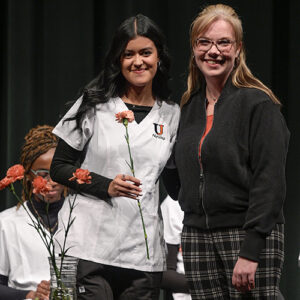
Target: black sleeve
(65,162)
(7,293)
(268,146)
(170,177)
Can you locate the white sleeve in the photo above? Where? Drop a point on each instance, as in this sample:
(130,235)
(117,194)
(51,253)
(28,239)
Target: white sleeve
(172,219)
(74,137)
(4,259)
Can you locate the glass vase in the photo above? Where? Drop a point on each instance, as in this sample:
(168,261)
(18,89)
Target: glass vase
(63,279)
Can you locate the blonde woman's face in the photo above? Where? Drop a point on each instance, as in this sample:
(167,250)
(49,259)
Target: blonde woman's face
(215,51)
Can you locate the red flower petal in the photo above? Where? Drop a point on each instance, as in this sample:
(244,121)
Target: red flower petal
(81,176)
(126,114)
(5,182)
(41,186)
(15,172)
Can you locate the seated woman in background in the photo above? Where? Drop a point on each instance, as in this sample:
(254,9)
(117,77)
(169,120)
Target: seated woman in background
(24,267)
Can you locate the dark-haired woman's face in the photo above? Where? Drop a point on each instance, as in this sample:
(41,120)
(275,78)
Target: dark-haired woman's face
(139,62)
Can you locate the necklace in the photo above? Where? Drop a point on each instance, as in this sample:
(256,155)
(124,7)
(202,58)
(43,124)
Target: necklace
(211,96)
(50,229)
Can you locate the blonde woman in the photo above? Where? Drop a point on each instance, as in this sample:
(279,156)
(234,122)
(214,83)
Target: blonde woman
(230,157)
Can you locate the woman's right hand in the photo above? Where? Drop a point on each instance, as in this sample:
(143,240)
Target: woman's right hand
(120,187)
(42,291)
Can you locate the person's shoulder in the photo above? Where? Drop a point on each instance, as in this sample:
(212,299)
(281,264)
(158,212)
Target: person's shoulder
(169,103)
(170,106)
(253,96)
(14,215)
(7,212)
(256,101)
(8,218)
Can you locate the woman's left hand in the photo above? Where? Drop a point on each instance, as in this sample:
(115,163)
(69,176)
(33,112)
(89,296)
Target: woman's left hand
(125,186)
(243,277)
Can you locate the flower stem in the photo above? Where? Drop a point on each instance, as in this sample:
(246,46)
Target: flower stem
(128,145)
(145,234)
(131,166)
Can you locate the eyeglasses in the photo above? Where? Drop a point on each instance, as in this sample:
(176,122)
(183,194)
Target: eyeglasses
(223,45)
(41,172)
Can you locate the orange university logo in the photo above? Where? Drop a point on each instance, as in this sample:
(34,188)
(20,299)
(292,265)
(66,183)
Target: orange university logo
(158,128)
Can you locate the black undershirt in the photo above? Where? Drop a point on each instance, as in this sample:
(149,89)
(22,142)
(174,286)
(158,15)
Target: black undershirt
(140,111)
(38,209)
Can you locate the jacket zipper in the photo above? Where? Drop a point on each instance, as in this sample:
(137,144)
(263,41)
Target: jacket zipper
(201,186)
(202,179)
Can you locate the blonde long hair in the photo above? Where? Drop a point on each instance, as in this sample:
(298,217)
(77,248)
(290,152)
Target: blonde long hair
(241,74)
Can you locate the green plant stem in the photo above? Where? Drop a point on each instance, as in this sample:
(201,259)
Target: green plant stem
(131,166)
(145,234)
(69,224)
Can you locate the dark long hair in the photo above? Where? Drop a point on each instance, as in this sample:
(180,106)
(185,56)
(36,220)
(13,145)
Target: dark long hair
(110,82)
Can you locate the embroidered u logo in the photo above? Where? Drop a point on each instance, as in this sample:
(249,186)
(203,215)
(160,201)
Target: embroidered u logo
(158,128)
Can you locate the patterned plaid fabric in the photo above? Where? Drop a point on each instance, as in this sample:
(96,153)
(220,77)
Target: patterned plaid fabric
(209,258)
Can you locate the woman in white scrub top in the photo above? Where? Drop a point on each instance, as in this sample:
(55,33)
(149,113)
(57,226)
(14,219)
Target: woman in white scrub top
(24,266)
(107,234)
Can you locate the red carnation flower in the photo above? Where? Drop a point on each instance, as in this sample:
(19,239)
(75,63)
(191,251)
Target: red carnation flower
(127,114)
(5,182)
(81,176)
(41,186)
(15,172)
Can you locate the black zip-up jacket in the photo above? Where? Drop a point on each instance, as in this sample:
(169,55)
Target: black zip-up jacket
(240,179)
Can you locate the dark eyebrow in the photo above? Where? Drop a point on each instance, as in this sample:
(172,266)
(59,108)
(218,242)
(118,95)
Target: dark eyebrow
(143,49)
(147,48)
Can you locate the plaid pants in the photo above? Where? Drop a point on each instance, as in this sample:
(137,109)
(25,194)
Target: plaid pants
(209,258)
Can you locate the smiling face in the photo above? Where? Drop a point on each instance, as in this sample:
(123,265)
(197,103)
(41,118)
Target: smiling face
(213,63)
(43,162)
(139,62)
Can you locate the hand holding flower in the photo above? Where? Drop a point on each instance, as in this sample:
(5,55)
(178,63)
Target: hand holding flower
(120,187)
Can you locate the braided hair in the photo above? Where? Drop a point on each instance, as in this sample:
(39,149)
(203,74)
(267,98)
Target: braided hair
(37,142)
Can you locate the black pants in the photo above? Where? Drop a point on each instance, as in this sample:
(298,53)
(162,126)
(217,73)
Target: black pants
(102,282)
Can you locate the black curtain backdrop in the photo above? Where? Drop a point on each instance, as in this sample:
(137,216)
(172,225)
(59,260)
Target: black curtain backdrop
(50,49)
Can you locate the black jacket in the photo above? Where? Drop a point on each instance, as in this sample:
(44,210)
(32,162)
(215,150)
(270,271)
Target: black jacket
(243,164)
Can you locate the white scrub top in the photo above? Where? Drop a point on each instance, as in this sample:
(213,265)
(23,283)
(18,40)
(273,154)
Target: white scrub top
(23,256)
(110,232)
